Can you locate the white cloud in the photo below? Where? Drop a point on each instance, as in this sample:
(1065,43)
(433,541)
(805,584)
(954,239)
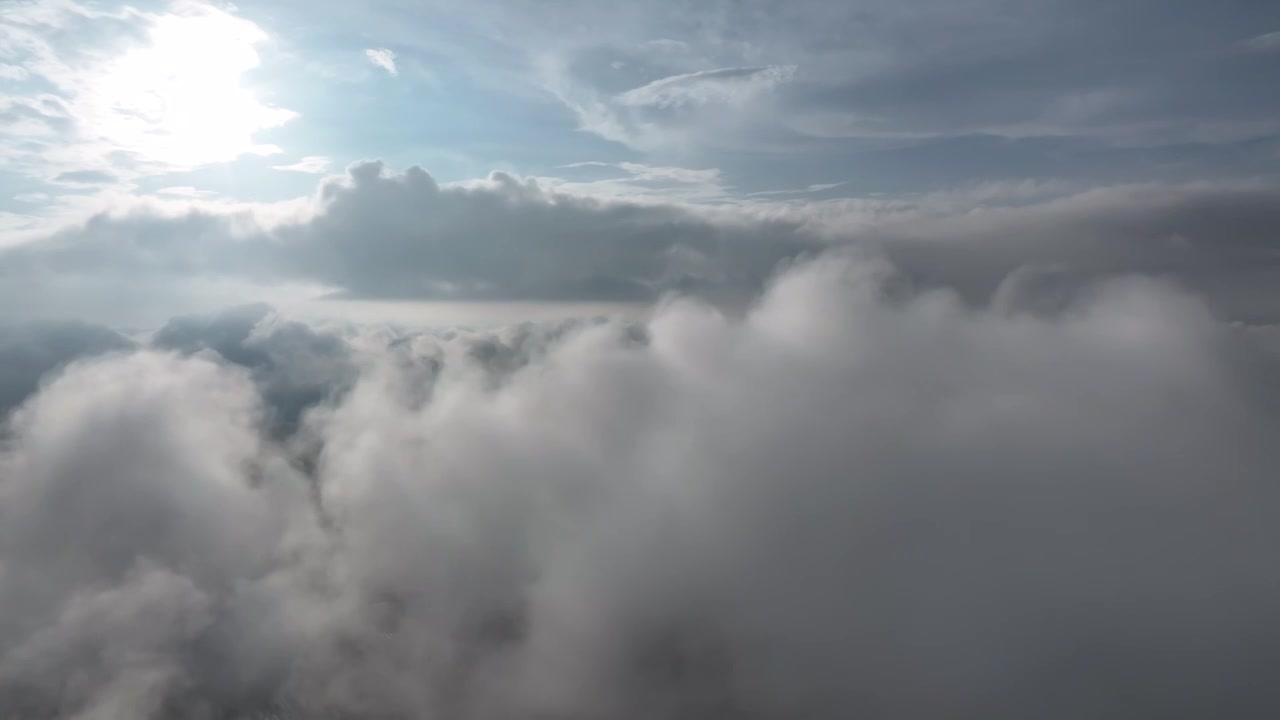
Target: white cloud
(312,164)
(689,176)
(639,182)
(13,72)
(186,191)
(587,163)
(732,86)
(703,108)
(804,510)
(383,58)
(813,188)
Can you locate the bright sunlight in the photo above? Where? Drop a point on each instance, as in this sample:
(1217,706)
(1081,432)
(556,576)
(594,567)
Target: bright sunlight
(177,101)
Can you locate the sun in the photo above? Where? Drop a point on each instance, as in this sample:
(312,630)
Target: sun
(177,100)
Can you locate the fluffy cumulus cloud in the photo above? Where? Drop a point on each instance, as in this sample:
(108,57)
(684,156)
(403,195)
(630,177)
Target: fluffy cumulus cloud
(854,499)
(728,85)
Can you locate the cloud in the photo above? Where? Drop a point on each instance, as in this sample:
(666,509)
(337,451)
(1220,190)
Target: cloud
(1267,42)
(85,177)
(853,499)
(185,191)
(640,182)
(375,233)
(680,111)
(1217,240)
(868,73)
(690,176)
(819,187)
(383,58)
(812,188)
(725,85)
(311,164)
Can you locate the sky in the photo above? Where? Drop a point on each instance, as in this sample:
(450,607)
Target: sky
(649,360)
(759,124)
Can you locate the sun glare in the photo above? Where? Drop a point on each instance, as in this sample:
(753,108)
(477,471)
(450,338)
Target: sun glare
(177,100)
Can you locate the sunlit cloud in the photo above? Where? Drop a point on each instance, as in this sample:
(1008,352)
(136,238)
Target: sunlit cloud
(167,98)
(312,164)
(167,103)
(382,58)
(185,191)
(641,182)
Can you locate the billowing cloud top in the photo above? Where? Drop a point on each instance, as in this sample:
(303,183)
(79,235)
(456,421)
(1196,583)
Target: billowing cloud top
(855,499)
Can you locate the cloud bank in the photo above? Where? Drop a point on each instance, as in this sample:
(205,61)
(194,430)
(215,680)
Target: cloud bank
(857,499)
(376,233)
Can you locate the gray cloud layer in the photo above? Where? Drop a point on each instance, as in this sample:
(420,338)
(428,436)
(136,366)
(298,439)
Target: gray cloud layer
(855,500)
(376,233)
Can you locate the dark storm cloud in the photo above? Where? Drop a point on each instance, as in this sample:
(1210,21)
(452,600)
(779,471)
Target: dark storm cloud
(1088,68)
(400,235)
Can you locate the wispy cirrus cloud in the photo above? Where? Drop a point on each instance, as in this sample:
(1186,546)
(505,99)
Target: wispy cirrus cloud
(641,182)
(311,164)
(731,86)
(684,110)
(184,191)
(1267,42)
